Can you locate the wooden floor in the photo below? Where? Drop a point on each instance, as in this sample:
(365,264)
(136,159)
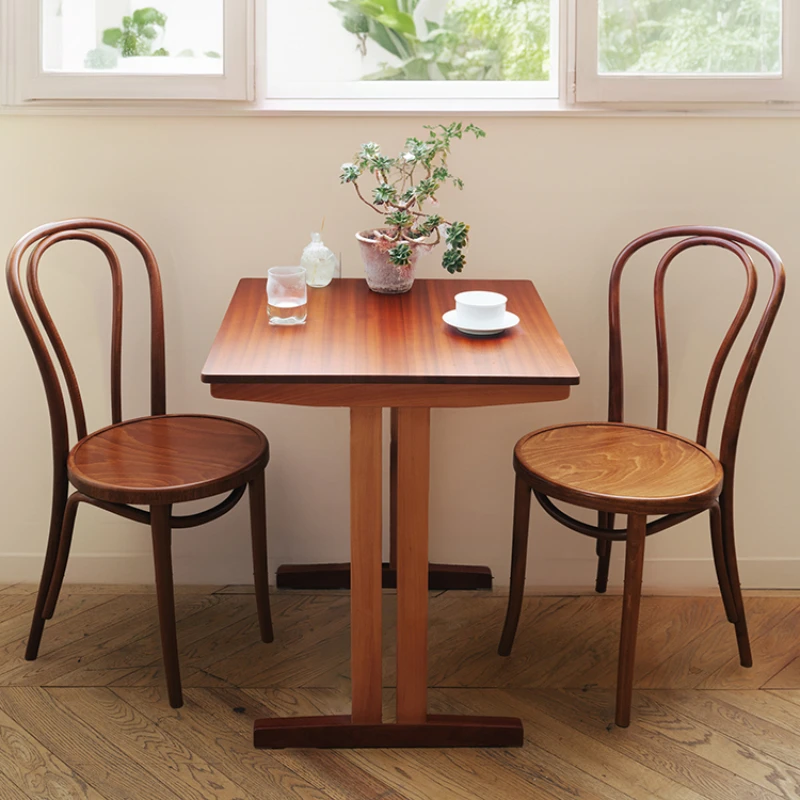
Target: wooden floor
(89,718)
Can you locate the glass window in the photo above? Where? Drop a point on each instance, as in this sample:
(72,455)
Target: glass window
(685,37)
(402,55)
(129,37)
(379,47)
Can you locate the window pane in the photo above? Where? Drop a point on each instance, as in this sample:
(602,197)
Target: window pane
(174,37)
(347,41)
(711,37)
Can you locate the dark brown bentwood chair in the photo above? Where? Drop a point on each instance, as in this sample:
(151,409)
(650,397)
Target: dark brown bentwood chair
(153,461)
(618,468)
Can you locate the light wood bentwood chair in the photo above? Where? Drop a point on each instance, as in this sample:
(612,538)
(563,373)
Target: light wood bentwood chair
(618,468)
(153,461)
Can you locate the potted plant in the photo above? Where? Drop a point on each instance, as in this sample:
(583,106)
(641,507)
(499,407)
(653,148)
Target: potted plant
(405,185)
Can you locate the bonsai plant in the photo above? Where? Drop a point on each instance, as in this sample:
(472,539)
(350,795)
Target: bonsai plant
(405,185)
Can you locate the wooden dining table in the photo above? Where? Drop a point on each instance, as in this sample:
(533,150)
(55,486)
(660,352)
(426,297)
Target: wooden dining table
(367,352)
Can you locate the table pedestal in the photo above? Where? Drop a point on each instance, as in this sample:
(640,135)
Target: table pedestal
(337,576)
(414,727)
(441,577)
(341,731)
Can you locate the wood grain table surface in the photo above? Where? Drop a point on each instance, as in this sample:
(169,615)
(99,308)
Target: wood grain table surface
(367,352)
(354,335)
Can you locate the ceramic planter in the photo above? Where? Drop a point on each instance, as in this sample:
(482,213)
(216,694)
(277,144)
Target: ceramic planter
(382,275)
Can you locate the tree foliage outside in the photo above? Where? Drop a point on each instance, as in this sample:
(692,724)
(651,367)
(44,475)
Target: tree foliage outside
(136,37)
(138,33)
(509,40)
(690,36)
(498,40)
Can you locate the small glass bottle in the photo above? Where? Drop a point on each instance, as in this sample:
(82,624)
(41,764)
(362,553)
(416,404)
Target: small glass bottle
(320,262)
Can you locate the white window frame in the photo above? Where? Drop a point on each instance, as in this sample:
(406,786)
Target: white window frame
(591,86)
(28,82)
(24,88)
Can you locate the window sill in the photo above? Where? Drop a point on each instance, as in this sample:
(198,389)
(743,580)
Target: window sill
(374,108)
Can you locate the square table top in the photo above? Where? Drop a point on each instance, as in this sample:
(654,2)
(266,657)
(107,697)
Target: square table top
(353,335)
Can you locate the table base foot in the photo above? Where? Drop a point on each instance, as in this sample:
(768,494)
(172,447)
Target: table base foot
(341,732)
(441,577)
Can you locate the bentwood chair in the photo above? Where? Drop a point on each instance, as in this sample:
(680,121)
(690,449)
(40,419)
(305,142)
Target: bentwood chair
(618,468)
(155,461)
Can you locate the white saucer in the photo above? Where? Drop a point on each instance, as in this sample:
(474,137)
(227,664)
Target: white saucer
(451,318)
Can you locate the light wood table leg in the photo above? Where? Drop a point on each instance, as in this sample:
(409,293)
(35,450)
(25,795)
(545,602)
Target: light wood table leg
(366,595)
(413,485)
(414,726)
(392,565)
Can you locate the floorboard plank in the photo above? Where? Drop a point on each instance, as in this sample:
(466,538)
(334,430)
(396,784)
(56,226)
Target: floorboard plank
(544,637)
(104,729)
(149,746)
(768,706)
(724,736)
(14,631)
(83,635)
(706,653)
(773,650)
(558,737)
(102,764)
(666,626)
(787,678)
(330,770)
(33,769)
(18,588)
(10,791)
(259,773)
(195,615)
(737,723)
(308,623)
(592,713)
(789,695)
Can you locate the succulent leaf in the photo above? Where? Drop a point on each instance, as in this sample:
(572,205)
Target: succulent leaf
(400,254)
(453,260)
(457,235)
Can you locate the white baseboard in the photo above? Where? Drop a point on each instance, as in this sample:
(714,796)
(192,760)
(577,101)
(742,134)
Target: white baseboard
(662,575)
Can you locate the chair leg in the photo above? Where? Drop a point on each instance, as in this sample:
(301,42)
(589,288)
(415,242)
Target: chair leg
(519,558)
(723,578)
(58,507)
(64,544)
(729,547)
(165,593)
(605,520)
(258,532)
(634,565)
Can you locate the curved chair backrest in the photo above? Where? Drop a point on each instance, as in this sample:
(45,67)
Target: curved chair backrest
(741,245)
(34,245)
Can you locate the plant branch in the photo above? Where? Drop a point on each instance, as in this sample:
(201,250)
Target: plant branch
(364,200)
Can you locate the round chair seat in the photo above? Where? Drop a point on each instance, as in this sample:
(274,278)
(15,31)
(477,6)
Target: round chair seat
(167,459)
(620,468)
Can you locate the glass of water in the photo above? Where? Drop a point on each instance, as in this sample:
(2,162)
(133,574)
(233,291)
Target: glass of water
(287,299)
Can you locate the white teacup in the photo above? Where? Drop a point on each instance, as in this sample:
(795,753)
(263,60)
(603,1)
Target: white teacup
(481,309)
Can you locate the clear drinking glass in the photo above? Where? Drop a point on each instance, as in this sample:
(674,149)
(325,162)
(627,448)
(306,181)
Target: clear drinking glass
(287,299)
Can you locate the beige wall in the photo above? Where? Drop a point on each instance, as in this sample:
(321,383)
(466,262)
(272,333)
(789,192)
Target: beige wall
(550,199)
